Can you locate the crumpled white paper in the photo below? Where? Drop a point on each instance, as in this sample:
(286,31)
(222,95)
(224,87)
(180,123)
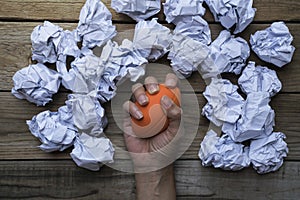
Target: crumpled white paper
(223,152)
(43,47)
(267,153)
(273,44)
(85,74)
(232,12)
(259,79)
(120,62)
(186,54)
(229,53)
(174,10)
(208,69)
(224,102)
(151,39)
(137,10)
(123,55)
(92,152)
(88,114)
(50,43)
(95,24)
(66,46)
(195,27)
(257,119)
(55,130)
(36,83)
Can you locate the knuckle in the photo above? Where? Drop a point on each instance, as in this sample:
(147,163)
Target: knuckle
(136,87)
(176,112)
(126,106)
(151,79)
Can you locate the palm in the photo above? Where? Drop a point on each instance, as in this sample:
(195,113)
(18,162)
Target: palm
(146,145)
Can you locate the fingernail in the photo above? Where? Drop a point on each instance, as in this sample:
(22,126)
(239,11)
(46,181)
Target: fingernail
(170,82)
(142,99)
(138,114)
(153,88)
(167,103)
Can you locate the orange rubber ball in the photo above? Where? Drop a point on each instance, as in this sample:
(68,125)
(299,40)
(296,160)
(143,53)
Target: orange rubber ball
(154,120)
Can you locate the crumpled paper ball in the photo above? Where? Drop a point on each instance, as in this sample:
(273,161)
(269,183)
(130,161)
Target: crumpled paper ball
(267,153)
(88,114)
(194,27)
(256,120)
(186,54)
(36,83)
(229,53)
(175,10)
(224,102)
(273,44)
(85,74)
(50,43)
(259,79)
(95,24)
(151,39)
(55,130)
(92,152)
(222,152)
(137,10)
(43,46)
(230,13)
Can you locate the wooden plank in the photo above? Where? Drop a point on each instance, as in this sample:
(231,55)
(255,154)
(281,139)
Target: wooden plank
(17,142)
(61,180)
(68,10)
(198,182)
(45,180)
(15,52)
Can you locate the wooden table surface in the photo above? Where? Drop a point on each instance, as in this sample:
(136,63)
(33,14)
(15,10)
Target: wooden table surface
(28,173)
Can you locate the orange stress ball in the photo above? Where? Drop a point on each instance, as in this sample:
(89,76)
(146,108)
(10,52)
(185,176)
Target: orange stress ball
(154,120)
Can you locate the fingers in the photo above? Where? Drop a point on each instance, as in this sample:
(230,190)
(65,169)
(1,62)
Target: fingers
(151,84)
(138,91)
(171,109)
(171,80)
(133,110)
(152,87)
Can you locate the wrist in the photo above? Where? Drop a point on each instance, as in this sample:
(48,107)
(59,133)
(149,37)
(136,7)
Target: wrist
(155,161)
(158,184)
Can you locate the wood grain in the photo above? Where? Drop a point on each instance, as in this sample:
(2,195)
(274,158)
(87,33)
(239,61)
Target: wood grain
(45,180)
(68,10)
(17,142)
(28,173)
(15,52)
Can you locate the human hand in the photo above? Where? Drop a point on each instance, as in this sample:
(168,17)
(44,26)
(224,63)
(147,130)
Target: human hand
(153,157)
(172,111)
